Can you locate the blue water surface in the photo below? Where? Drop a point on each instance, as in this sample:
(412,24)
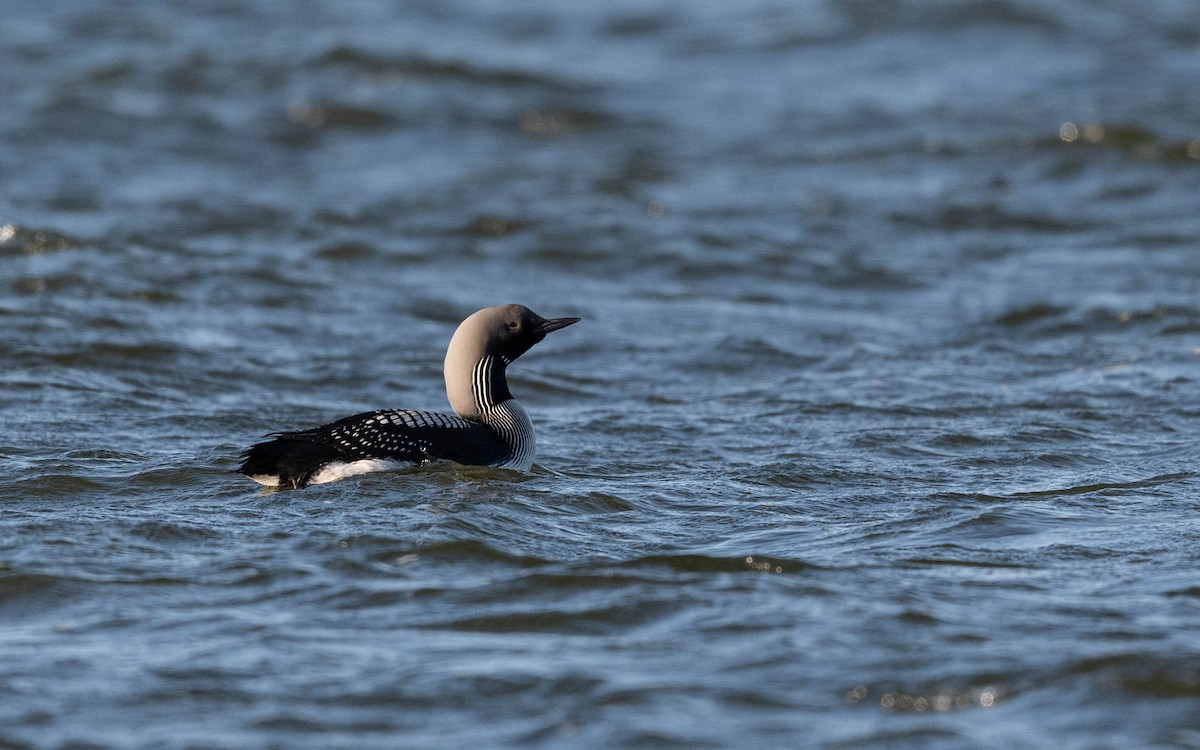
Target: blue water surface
(880,429)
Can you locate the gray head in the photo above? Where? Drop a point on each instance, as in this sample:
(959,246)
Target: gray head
(501,333)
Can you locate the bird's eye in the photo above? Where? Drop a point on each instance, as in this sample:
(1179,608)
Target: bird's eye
(514,325)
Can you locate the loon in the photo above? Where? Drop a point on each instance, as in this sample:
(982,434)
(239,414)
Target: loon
(490,429)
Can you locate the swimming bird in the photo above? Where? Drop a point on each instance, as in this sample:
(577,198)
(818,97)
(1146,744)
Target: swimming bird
(491,427)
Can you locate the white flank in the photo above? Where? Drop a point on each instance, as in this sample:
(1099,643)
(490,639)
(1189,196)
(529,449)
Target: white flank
(342,469)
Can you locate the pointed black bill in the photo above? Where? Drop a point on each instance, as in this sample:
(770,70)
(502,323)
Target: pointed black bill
(546,326)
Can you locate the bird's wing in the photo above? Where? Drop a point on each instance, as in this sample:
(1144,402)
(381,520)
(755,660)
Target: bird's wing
(406,435)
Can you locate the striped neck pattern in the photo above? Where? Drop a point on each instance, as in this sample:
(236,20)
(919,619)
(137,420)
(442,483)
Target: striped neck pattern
(489,387)
(496,408)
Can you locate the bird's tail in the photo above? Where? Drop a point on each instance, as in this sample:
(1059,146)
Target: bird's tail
(284,462)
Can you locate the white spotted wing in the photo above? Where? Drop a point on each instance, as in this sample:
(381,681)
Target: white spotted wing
(407,435)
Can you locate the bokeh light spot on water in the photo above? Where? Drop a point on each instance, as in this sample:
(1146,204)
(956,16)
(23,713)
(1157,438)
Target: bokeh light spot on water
(1093,133)
(943,700)
(763,566)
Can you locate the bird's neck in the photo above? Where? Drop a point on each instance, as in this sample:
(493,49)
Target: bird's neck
(476,385)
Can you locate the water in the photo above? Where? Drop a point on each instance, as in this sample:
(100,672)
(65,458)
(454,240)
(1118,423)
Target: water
(880,428)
